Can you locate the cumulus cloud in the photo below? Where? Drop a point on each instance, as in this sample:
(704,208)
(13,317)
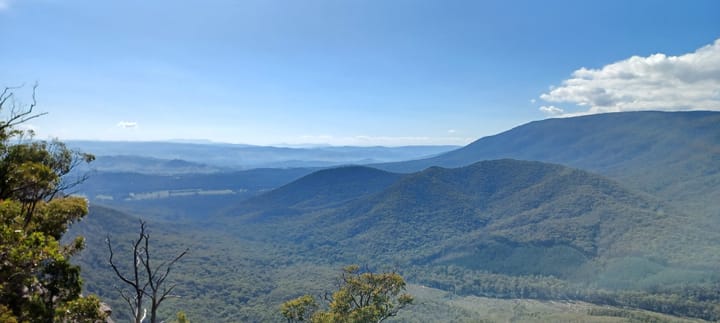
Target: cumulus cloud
(656,82)
(551,110)
(127,124)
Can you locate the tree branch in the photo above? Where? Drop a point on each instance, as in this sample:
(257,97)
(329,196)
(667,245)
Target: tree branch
(114,267)
(17,116)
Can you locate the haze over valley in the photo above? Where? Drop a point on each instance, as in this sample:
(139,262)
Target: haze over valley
(359,161)
(590,231)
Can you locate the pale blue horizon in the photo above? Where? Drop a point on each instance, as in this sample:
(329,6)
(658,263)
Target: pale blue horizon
(361,73)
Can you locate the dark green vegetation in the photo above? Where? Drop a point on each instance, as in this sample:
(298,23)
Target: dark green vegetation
(494,215)
(512,218)
(37,281)
(675,155)
(321,190)
(363,296)
(633,224)
(223,278)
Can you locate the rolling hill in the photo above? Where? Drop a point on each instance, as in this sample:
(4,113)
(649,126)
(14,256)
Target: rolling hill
(616,209)
(675,155)
(226,278)
(601,142)
(321,189)
(507,216)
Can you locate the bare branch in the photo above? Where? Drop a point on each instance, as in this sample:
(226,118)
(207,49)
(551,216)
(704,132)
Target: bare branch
(169,266)
(137,300)
(18,116)
(114,267)
(64,185)
(127,299)
(152,287)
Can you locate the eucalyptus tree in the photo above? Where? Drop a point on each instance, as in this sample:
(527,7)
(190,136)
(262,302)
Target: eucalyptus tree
(362,296)
(37,281)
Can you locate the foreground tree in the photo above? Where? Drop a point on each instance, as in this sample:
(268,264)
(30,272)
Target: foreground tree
(182,318)
(362,296)
(300,309)
(144,278)
(37,281)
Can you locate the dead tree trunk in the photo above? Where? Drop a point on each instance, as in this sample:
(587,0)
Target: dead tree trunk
(145,279)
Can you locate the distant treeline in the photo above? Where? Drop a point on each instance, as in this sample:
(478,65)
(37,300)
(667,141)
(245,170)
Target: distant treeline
(697,301)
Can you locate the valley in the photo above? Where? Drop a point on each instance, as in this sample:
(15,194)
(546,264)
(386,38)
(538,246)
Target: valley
(602,218)
(359,161)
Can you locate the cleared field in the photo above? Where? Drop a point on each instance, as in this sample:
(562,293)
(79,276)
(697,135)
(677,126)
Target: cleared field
(434,305)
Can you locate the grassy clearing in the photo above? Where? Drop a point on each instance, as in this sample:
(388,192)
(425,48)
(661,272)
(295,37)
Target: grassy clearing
(434,305)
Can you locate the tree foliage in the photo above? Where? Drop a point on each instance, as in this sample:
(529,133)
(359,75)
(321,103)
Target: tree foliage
(37,279)
(182,318)
(361,297)
(299,309)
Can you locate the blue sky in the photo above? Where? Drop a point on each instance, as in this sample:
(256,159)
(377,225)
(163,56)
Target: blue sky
(351,72)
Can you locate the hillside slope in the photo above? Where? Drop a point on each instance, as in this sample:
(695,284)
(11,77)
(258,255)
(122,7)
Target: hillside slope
(675,155)
(509,216)
(250,280)
(322,189)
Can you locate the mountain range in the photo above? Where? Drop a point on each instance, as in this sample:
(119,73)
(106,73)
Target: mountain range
(507,216)
(675,155)
(182,157)
(586,208)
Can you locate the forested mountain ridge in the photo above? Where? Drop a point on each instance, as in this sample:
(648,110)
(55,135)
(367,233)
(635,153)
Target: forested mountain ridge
(485,214)
(675,155)
(495,227)
(601,142)
(321,189)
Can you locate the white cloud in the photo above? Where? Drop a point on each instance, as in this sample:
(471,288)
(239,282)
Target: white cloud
(451,131)
(551,110)
(656,82)
(533,101)
(127,124)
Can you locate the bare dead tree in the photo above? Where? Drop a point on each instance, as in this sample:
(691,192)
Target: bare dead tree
(17,114)
(145,280)
(133,298)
